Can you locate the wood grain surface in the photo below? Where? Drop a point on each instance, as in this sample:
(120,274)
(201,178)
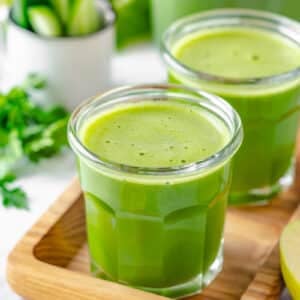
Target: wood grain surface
(51,262)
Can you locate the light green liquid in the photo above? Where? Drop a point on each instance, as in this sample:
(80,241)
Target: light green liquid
(159,232)
(269,114)
(155,135)
(238,53)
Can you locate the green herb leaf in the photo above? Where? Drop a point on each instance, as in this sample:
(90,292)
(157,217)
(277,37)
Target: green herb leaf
(10,154)
(27,131)
(34,81)
(14,197)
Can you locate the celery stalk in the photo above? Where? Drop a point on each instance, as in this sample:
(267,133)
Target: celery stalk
(19,13)
(62,8)
(85,18)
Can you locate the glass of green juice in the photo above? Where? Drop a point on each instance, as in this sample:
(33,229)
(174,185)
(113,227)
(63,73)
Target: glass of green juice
(155,167)
(165,12)
(252,60)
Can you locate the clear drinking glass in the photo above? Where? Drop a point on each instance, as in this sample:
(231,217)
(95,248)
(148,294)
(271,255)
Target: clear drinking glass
(157,229)
(269,106)
(165,12)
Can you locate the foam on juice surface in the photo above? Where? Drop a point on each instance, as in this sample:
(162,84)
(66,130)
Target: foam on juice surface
(155,134)
(238,52)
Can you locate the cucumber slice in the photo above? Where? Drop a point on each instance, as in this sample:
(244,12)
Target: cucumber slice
(85,18)
(62,8)
(44,21)
(19,13)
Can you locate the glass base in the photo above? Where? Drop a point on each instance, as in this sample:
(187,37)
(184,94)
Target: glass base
(263,195)
(189,288)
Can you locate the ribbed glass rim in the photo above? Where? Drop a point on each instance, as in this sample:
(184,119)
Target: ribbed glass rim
(229,17)
(154,92)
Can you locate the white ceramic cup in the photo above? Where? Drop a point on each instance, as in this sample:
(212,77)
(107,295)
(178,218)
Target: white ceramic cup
(75,68)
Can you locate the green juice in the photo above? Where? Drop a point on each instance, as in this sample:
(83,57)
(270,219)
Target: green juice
(165,12)
(269,113)
(155,232)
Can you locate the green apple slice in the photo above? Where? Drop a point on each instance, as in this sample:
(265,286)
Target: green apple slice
(290,258)
(85,18)
(44,21)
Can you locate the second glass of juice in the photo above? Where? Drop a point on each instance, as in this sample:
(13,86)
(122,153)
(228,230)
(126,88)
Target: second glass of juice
(155,168)
(165,12)
(252,60)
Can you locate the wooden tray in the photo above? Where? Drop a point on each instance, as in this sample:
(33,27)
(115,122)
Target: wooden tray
(51,261)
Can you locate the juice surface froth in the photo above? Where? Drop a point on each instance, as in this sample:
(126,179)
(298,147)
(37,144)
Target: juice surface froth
(155,134)
(238,53)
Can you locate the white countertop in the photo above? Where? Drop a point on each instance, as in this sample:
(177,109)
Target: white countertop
(44,182)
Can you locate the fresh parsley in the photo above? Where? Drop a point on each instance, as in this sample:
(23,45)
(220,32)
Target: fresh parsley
(27,131)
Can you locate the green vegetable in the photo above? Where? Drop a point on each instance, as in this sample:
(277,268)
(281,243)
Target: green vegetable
(20,10)
(44,21)
(12,197)
(10,151)
(37,2)
(34,81)
(133,21)
(27,131)
(62,8)
(58,17)
(19,13)
(85,18)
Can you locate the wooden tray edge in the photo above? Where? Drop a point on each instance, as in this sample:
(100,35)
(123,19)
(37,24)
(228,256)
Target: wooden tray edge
(24,270)
(29,277)
(268,282)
